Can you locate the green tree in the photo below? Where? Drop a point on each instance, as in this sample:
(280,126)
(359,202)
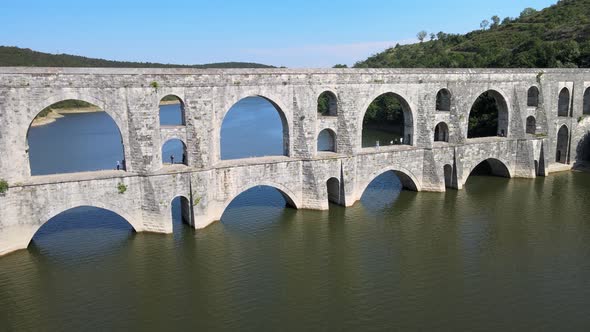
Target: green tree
(421,35)
(484,24)
(495,21)
(527,12)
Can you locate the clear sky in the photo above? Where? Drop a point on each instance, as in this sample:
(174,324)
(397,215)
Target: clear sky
(303,33)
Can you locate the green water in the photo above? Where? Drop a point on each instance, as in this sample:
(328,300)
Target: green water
(500,255)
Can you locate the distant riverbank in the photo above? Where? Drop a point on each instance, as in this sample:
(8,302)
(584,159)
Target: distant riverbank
(55,114)
(169,102)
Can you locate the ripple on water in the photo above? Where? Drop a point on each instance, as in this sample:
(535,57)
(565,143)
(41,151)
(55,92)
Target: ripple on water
(500,255)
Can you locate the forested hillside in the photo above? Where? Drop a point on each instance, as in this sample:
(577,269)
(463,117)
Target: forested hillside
(557,36)
(14,56)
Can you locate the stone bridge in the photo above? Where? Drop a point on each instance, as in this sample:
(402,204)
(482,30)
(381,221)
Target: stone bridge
(537,107)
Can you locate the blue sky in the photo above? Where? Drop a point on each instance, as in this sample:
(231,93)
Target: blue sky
(300,33)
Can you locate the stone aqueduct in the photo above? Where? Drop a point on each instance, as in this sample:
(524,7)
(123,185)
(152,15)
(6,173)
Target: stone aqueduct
(131,97)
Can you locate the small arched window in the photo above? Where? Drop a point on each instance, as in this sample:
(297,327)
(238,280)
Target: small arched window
(586,108)
(441,132)
(443,100)
(563,106)
(172,111)
(531,125)
(327,140)
(174,152)
(328,104)
(533,97)
(561,150)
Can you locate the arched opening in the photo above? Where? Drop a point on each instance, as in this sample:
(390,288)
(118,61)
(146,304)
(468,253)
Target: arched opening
(386,188)
(443,101)
(561,150)
(335,191)
(563,106)
(182,212)
(492,167)
(441,132)
(586,108)
(174,152)
(258,206)
(254,127)
(327,140)
(533,97)
(449,176)
(488,116)
(387,121)
(583,149)
(85,230)
(74,136)
(328,104)
(172,111)
(531,125)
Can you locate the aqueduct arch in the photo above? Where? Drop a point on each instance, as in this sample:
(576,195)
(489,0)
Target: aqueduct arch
(388,109)
(492,103)
(237,107)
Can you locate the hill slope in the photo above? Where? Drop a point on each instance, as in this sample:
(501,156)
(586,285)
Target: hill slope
(557,36)
(15,56)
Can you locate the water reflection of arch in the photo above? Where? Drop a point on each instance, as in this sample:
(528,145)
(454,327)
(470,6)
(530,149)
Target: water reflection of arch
(120,123)
(408,180)
(407,110)
(503,107)
(291,199)
(284,113)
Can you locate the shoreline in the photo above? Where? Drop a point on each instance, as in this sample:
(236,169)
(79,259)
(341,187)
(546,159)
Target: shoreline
(77,110)
(59,113)
(169,102)
(55,114)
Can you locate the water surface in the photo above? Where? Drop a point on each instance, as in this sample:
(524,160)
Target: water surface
(502,254)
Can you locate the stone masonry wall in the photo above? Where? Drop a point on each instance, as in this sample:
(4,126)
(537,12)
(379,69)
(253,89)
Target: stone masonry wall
(131,97)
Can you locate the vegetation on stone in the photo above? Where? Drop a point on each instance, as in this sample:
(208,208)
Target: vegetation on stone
(122,188)
(3,186)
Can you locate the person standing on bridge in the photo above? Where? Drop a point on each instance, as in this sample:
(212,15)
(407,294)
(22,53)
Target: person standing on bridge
(118,165)
(172,159)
